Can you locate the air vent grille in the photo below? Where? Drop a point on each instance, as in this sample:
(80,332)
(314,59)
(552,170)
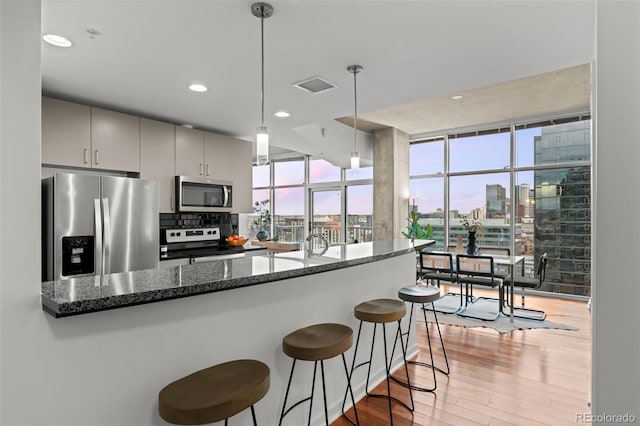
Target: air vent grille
(315,85)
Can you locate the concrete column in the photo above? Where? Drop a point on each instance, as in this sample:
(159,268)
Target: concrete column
(390,183)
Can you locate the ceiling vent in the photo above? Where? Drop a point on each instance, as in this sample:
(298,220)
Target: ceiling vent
(315,85)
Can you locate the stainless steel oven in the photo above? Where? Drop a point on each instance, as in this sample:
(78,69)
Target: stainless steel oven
(203,195)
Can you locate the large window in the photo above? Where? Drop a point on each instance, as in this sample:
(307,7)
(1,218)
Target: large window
(323,171)
(484,152)
(484,198)
(359,213)
(334,202)
(288,214)
(427,200)
(538,203)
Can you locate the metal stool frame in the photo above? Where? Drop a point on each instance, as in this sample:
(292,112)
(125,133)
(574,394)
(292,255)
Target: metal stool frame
(423,364)
(349,390)
(253,415)
(387,368)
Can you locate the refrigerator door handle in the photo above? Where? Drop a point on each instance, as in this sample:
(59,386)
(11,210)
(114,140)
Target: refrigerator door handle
(98,240)
(107,237)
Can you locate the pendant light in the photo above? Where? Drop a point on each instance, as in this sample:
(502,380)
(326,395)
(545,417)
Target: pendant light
(355,156)
(262,11)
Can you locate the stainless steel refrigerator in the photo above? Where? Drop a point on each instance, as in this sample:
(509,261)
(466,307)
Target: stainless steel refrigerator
(95,225)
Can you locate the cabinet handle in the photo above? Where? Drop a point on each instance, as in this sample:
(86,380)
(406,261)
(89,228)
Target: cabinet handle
(207,170)
(86,156)
(97,158)
(201,169)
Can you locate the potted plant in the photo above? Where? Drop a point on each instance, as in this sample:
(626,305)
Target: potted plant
(262,222)
(417,231)
(475,230)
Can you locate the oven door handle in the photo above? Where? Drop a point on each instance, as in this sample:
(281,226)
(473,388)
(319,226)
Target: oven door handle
(214,258)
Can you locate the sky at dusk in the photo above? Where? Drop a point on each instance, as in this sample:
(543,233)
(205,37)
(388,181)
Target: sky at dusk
(467,192)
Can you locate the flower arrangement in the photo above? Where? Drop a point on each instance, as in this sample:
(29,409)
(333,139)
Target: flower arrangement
(473,226)
(262,222)
(415,230)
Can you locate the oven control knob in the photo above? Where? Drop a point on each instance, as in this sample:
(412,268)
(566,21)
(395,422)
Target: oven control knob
(173,234)
(209,232)
(177,234)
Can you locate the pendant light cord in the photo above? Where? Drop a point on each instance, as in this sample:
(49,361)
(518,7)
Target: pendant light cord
(355,114)
(262,60)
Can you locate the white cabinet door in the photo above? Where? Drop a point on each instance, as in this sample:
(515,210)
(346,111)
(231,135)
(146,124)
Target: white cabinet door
(241,153)
(66,133)
(189,152)
(157,159)
(115,140)
(231,159)
(217,158)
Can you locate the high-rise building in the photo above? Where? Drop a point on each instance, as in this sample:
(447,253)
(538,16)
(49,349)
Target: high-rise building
(563,207)
(496,200)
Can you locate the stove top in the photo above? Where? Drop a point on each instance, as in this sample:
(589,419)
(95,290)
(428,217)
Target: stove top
(195,242)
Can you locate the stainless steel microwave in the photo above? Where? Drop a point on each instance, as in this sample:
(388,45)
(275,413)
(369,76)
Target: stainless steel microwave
(203,195)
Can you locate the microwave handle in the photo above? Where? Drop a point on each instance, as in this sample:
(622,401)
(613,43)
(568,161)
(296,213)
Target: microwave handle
(226,195)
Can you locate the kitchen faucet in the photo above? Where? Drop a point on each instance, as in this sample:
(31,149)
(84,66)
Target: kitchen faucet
(310,247)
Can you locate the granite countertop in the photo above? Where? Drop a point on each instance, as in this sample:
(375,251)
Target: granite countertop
(95,293)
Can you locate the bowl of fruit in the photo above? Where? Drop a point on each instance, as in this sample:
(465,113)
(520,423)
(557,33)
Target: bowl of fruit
(236,241)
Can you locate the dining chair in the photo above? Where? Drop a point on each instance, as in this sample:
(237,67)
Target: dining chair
(502,271)
(436,267)
(479,270)
(529,282)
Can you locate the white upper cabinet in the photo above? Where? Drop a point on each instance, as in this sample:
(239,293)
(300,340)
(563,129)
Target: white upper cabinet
(157,159)
(230,159)
(189,152)
(66,133)
(217,159)
(81,136)
(115,140)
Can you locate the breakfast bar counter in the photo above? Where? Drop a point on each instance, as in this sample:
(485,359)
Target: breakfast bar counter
(101,292)
(213,312)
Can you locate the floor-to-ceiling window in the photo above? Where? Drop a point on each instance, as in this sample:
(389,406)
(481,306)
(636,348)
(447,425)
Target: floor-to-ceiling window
(312,196)
(527,183)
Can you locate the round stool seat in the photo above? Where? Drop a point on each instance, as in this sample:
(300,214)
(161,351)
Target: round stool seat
(419,293)
(380,310)
(318,342)
(214,393)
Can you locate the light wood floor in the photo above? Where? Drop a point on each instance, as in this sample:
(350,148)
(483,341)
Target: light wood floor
(529,377)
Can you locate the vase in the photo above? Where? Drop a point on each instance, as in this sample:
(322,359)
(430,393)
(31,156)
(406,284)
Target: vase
(471,246)
(262,235)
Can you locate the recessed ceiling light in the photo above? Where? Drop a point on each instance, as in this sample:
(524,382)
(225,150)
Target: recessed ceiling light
(198,87)
(456,97)
(282,114)
(56,40)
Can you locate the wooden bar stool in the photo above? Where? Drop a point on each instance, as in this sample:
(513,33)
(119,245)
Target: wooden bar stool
(381,311)
(317,343)
(215,393)
(422,294)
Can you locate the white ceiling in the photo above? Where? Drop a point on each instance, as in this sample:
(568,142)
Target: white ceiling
(415,54)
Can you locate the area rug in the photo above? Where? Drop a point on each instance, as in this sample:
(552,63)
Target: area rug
(501,325)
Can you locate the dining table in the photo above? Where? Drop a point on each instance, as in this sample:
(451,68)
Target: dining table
(510,261)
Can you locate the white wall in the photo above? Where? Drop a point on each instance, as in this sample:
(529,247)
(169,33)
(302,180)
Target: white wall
(616,300)
(20,92)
